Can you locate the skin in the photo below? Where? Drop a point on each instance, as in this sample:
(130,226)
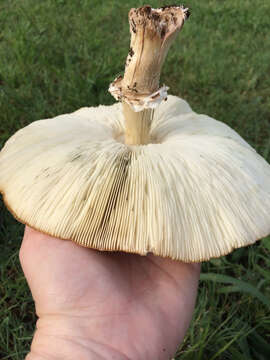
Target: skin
(102,305)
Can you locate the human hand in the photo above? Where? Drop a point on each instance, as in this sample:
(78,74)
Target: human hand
(103,305)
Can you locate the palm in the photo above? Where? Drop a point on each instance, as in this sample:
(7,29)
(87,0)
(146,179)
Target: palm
(139,304)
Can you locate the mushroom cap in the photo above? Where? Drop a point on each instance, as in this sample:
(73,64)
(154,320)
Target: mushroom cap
(196,192)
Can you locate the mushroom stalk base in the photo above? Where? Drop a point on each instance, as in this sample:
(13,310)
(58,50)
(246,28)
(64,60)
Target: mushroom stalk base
(137,125)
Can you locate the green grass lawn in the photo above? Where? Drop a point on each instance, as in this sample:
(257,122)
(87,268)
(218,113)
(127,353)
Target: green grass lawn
(59,55)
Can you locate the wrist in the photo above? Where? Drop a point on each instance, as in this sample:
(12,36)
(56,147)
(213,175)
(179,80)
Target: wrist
(58,338)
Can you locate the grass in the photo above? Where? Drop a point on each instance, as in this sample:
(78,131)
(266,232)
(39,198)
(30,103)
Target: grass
(59,55)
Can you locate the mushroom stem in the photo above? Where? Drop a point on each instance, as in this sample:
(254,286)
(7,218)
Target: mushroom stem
(152,32)
(137,125)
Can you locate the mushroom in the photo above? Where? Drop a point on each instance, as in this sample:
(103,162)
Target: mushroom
(143,175)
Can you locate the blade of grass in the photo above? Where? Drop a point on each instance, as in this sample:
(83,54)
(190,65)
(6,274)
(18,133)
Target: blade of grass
(242,285)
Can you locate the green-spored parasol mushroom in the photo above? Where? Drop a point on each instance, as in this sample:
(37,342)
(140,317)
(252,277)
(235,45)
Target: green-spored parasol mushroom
(143,175)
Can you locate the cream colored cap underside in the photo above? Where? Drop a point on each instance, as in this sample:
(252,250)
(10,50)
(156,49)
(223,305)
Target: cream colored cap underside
(197,192)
